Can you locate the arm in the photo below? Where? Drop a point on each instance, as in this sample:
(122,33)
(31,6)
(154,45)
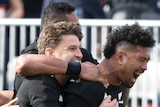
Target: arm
(5,96)
(31,64)
(16,9)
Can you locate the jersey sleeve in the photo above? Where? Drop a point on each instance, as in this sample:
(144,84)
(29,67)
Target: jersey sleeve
(87,56)
(31,49)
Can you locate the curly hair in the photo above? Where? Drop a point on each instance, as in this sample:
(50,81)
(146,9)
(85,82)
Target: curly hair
(56,12)
(52,34)
(132,35)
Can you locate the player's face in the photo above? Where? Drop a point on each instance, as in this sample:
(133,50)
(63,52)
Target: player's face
(135,63)
(68,49)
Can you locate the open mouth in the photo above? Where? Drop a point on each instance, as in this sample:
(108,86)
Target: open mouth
(136,74)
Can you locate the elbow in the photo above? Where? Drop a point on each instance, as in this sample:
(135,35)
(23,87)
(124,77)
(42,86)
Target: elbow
(21,64)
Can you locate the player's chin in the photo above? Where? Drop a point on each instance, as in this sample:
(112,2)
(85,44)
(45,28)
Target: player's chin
(129,84)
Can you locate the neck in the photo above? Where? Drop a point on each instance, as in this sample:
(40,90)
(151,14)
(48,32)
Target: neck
(108,68)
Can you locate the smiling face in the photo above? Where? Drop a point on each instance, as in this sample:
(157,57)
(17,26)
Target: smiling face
(67,49)
(133,64)
(61,40)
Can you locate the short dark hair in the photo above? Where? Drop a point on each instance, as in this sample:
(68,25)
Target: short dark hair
(133,35)
(56,12)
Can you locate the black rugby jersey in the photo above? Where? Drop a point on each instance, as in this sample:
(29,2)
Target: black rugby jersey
(90,94)
(32,49)
(39,91)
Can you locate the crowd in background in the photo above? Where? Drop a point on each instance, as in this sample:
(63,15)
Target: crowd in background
(107,9)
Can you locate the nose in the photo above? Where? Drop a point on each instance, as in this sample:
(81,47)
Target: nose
(78,54)
(144,66)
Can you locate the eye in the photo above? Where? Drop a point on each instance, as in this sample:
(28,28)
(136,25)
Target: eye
(143,60)
(72,48)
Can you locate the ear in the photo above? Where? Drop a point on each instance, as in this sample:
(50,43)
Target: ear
(120,56)
(49,51)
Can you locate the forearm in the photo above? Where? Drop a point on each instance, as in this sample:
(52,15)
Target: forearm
(31,64)
(5,96)
(16,9)
(16,14)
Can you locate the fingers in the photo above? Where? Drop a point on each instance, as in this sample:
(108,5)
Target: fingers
(106,84)
(10,103)
(104,81)
(108,103)
(115,103)
(92,72)
(108,99)
(13,101)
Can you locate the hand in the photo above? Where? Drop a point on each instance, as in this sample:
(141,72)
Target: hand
(90,71)
(108,103)
(5,96)
(11,103)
